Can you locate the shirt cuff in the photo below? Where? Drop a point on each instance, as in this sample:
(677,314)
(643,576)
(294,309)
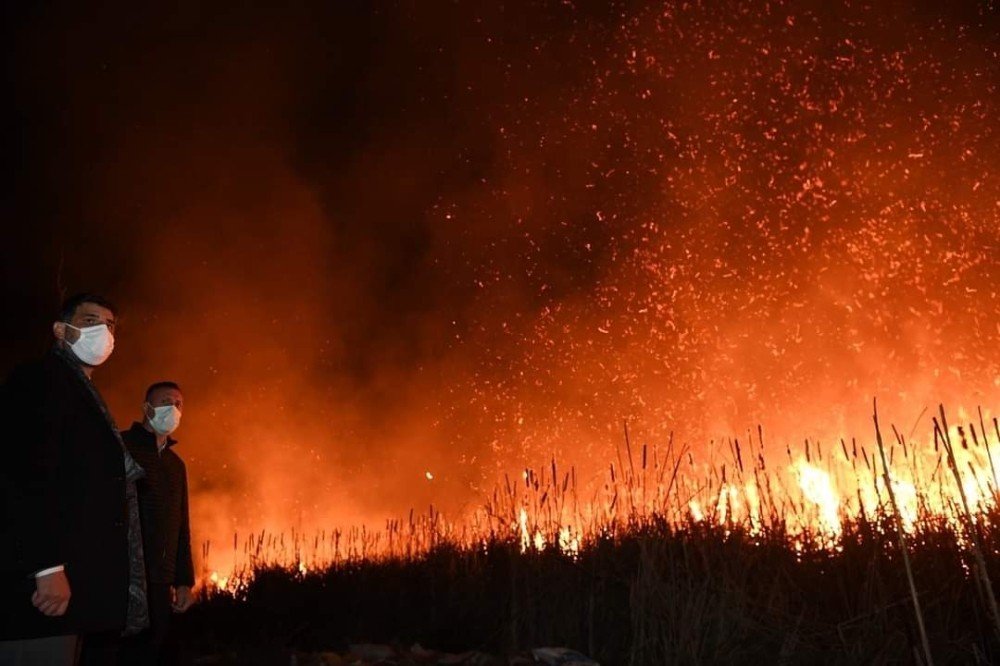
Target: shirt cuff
(50,570)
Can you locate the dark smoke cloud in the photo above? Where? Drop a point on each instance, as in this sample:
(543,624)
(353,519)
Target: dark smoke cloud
(264,192)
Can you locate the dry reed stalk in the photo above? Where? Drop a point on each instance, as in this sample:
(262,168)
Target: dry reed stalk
(971,527)
(901,535)
(989,456)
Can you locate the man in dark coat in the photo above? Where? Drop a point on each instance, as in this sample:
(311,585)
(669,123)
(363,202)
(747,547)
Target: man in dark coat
(70,547)
(166,533)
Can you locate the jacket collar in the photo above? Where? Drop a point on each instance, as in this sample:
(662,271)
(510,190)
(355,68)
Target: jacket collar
(147,437)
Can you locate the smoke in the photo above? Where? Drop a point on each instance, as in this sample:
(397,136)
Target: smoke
(373,242)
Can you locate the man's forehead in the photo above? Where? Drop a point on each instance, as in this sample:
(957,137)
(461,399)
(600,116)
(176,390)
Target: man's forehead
(164,393)
(94,310)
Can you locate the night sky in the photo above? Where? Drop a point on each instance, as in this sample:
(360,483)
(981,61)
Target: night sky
(377,239)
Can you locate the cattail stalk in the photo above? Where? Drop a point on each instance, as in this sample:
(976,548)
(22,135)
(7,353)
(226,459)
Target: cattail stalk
(901,535)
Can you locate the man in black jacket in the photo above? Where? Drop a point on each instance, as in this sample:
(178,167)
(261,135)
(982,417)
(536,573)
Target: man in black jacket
(70,548)
(163,507)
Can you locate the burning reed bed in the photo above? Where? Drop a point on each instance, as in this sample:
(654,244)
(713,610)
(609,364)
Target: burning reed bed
(736,568)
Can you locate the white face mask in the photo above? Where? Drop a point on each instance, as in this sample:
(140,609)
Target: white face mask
(94,345)
(165,419)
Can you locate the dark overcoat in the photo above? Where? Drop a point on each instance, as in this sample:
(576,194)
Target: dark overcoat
(62,493)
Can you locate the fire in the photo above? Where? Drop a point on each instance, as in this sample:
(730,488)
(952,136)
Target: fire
(726,222)
(906,502)
(753,508)
(531,541)
(218,582)
(522,521)
(810,499)
(568,541)
(818,488)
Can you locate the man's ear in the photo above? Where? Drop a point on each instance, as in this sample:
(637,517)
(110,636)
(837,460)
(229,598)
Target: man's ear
(65,332)
(148,411)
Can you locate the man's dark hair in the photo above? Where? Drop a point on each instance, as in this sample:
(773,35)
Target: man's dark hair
(70,305)
(153,388)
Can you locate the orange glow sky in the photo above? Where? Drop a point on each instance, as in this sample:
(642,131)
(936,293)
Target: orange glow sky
(372,243)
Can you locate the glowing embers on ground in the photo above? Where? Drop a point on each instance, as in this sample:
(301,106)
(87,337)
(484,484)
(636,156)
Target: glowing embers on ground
(949,476)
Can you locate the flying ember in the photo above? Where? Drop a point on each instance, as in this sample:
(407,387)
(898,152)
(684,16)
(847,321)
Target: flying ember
(694,220)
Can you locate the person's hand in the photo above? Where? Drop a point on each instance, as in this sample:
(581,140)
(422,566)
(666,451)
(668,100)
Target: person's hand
(183,599)
(52,593)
